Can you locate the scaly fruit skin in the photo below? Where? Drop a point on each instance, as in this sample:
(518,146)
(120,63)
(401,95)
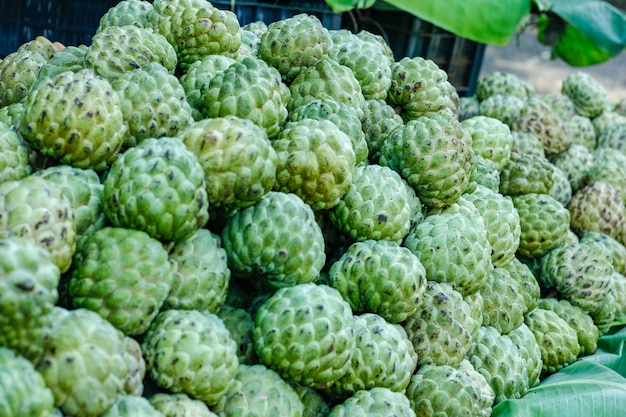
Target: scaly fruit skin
(43,46)
(526,173)
(527,143)
(496,357)
(463,252)
(578,319)
(378,40)
(420,88)
(75,118)
(609,167)
(153,103)
(14,156)
(200,275)
(305,333)
(24,392)
(122,274)
(238,159)
(383,357)
(250,89)
(435,156)
(544,223)
(327,78)
(179,405)
(605,120)
(294,43)
(378,205)
(469,106)
(18,72)
(525,341)
(616,250)
(133,384)
(191,352)
(239,323)
(83,363)
(37,209)
(484,173)
(127,12)
(582,131)
(277,239)
(443,329)
(574,162)
(28,291)
(560,103)
(11,114)
(444,390)
(258,391)
(118,49)
(580,272)
(368,62)
(557,340)
(196,29)
(561,189)
(618,284)
(83,188)
(500,82)
(379,119)
(529,288)
(132,406)
(503,302)
(157,187)
(198,75)
(614,138)
(597,207)
(501,220)
(72,58)
(380,277)
(538,118)
(491,139)
(504,107)
(315,405)
(590,98)
(343,116)
(375,402)
(316,161)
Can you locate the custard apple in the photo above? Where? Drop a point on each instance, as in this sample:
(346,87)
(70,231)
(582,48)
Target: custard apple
(191,352)
(306,333)
(122,274)
(75,118)
(157,187)
(276,241)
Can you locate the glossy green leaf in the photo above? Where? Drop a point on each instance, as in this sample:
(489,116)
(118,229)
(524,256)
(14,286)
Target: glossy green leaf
(341,6)
(595,385)
(578,50)
(602,23)
(486,21)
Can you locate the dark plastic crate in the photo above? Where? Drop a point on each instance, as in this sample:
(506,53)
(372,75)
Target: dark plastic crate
(70,22)
(410,36)
(270,11)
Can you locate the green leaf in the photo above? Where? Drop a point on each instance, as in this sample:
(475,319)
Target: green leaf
(578,50)
(601,22)
(582,389)
(486,21)
(595,385)
(341,6)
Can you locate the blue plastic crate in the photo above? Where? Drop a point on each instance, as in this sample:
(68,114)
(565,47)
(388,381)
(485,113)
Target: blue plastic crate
(70,22)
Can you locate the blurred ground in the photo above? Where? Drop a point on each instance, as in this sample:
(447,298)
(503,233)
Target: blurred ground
(529,60)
